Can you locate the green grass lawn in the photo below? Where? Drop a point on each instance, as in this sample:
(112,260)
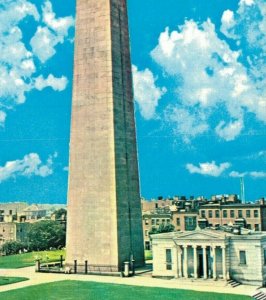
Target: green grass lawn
(148,254)
(28,259)
(68,290)
(8,280)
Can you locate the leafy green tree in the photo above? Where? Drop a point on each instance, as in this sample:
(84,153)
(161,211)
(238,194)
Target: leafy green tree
(12,247)
(44,235)
(60,214)
(162,229)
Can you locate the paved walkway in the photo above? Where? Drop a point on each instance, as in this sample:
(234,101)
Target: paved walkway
(143,280)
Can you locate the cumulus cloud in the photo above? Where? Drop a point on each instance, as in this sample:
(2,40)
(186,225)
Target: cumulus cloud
(208,168)
(57,84)
(147,95)
(189,123)
(253,174)
(212,74)
(55,31)
(19,65)
(30,165)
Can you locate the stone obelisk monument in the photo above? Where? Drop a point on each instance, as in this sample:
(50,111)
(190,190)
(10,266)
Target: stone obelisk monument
(104,224)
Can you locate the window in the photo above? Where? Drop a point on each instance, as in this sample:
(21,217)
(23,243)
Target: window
(217,214)
(210,213)
(163,220)
(240,214)
(146,221)
(178,221)
(232,213)
(225,213)
(256,213)
(168,221)
(147,245)
(152,221)
(190,223)
(157,221)
(248,226)
(248,213)
(203,214)
(146,232)
(168,253)
(257,227)
(10,212)
(242,257)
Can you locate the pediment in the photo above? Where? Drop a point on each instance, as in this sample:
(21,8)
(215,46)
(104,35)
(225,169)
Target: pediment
(200,235)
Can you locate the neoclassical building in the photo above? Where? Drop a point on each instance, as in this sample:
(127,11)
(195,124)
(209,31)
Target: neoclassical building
(210,254)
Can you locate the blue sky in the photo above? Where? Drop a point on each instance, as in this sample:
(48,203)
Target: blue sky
(199,79)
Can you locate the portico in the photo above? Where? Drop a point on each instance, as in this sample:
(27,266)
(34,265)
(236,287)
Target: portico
(201,261)
(195,254)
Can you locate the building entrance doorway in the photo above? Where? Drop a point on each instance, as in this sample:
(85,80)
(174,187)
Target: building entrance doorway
(201,265)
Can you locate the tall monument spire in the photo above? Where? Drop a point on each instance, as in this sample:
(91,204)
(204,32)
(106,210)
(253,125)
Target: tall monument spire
(104,224)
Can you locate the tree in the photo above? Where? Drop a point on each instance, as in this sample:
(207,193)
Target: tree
(12,247)
(162,229)
(60,214)
(44,235)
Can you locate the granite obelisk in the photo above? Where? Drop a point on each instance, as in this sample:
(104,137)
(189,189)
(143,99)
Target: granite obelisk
(104,224)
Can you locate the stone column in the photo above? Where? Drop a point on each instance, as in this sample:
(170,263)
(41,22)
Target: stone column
(224,262)
(179,258)
(205,275)
(195,262)
(185,261)
(214,271)
(177,262)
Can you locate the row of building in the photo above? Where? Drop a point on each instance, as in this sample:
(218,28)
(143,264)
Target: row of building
(15,218)
(189,214)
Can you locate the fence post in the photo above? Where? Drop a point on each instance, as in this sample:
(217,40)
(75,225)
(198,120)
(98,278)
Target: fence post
(75,266)
(61,261)
(37,265)
(86,267)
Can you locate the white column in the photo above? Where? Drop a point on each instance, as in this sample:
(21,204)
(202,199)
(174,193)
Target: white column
(177,261)
(185,261)
(179,257)
(224,262)
(195,262)
(214,263)
(205,275)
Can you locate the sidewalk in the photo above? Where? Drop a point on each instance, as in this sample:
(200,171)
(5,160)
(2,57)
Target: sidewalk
(140,280)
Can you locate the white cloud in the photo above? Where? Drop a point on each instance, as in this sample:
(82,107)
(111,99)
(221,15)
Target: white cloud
(208,168)
(147,95)
(229,131)
(247,2)
(46,38)
(187,123)
(249,32)
(30,165)
(59,25)
(257,174)
(2,117)
(236,174)
(253,174)
(57,84)
(66,169)
(211,74)
(18,64)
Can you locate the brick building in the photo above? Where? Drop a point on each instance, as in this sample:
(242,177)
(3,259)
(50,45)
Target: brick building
(250,215)
(13,232)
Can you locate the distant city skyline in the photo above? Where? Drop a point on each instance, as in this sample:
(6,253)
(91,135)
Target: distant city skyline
(199,79)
